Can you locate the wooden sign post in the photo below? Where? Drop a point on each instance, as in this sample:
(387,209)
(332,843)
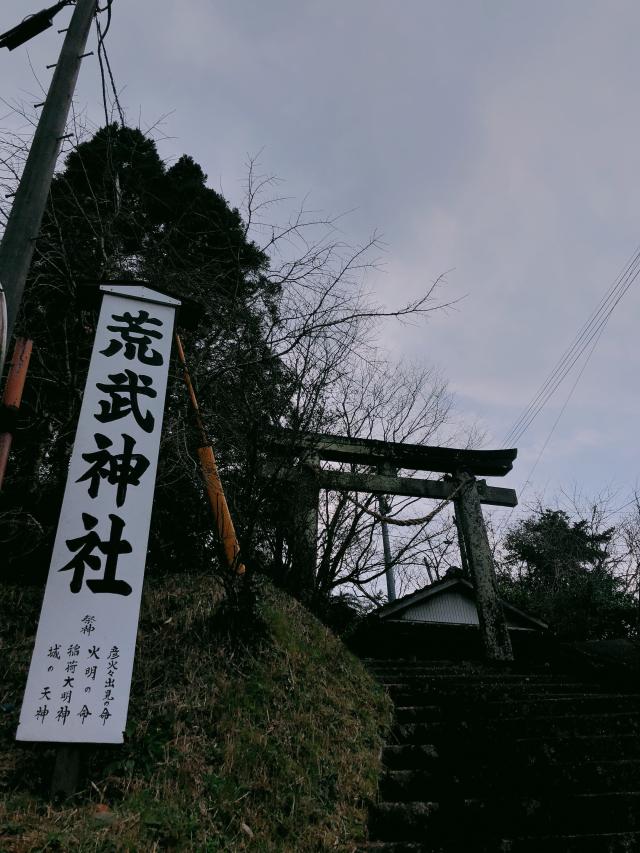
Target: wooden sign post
(80,676)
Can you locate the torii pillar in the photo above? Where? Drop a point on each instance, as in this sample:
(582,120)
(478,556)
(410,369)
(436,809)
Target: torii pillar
(493,625)
(305,514)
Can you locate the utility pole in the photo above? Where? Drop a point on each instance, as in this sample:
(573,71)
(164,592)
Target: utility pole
(383,505)
(388,560)
(23,225)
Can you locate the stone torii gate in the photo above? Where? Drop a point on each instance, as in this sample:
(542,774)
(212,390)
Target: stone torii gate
(462,468)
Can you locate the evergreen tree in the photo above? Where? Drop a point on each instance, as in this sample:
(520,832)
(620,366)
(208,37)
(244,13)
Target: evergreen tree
(117,212)
(564,571)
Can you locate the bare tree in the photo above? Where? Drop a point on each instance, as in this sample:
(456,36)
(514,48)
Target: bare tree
(293,345)
(399,403)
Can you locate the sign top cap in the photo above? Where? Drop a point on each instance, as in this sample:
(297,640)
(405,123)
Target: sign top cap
(139,291)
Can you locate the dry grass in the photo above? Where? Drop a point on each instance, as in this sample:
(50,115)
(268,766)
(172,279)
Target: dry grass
(268,745)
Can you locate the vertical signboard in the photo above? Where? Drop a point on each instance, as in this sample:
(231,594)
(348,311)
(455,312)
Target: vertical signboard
(80,674)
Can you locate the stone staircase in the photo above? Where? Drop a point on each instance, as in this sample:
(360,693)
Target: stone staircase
(523,758)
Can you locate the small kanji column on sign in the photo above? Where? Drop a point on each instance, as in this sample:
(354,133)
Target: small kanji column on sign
(80,675)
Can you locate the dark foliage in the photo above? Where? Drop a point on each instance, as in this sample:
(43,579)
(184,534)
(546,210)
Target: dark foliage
(564,571)
(117,212)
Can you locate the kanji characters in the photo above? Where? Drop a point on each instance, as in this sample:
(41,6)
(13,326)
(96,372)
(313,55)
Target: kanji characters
(41,713)
(124,391)
(118,469)
(112,548)
(102,536)
(88,626)
(134,338)
(63,714)
(83,713)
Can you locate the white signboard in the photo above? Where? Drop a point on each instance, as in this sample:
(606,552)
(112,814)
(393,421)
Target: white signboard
(80,675)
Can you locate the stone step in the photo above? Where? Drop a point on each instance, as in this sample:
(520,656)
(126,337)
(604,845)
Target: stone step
(498,688)
(403,693)
(469,665)
(404,821)
(505,817)
(469,669)
(623,722)
(588,703)
(465,681)
(403,786)
(441,778)
(610,842)
(531,705)
(373,663)
(551,749)
(493,692)
(617,842)
(409,756)
(507,759)
(392,847)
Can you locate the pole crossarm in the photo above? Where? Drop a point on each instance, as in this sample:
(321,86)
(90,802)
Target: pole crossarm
(413,457)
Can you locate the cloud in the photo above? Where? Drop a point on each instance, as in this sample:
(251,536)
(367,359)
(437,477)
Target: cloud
(498,141)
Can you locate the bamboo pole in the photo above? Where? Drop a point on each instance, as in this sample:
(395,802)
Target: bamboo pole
(213,484)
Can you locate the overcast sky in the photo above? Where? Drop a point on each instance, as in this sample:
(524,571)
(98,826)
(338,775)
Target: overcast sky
(497,140)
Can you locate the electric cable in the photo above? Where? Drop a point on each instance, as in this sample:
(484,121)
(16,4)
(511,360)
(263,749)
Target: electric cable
(570,350)
(589,330)
(102,76)
(553,428)
(103,59)
(570,355)
(559,371)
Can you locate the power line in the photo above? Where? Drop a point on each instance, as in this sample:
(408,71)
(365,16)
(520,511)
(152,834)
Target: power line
(554,425)
(592,328)
(103,59)
(570,356)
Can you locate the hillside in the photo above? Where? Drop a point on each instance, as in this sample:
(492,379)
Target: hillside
(264,736)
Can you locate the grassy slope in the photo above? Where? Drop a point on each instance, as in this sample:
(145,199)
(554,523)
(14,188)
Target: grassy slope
(273,748)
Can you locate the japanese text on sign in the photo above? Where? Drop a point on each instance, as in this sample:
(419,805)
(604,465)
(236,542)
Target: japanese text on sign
(80,675)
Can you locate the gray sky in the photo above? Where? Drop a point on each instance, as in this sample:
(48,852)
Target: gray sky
(498,140)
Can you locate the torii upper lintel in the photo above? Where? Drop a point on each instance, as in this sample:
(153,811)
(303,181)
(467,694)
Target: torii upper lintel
(415,457)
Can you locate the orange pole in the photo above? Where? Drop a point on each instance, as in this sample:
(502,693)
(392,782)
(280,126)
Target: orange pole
(12,398)
(212,482)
